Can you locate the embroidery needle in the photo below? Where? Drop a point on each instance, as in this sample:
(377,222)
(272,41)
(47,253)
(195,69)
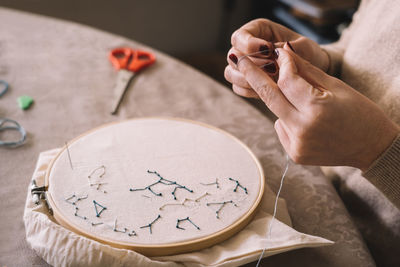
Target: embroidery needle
(69,155)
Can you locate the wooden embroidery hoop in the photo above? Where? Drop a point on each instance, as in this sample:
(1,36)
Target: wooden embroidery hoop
(171,248)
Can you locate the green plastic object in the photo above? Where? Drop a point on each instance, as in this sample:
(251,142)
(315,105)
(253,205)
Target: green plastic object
(24,102)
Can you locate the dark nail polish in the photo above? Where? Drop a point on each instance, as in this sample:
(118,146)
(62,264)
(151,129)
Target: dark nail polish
(264,49)
(275,55)
(234,58)
(290,46)
(270,67)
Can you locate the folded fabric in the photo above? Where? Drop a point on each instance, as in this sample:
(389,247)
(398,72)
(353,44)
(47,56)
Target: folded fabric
(61,247)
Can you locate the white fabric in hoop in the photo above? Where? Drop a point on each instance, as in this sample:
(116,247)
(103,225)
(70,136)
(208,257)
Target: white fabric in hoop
(61,247)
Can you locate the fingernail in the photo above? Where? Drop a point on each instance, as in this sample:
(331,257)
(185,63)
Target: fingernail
(275,54)
(264,49)
(234,58)
(290,46)
(270,67)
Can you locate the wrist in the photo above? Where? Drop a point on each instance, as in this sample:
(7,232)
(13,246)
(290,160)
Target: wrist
(377,148)
(384,172)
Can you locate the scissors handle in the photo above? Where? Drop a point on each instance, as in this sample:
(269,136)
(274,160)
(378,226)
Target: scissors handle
(132,60)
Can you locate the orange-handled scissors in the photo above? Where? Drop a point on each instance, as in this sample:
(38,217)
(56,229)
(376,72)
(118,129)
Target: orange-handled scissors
(128,62)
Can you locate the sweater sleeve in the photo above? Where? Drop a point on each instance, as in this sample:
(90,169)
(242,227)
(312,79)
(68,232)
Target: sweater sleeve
(336,50)
(384,173)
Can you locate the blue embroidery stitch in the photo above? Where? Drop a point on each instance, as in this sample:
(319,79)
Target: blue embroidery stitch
(150,225)
(238,185)
(178,221)
(222,205)
(163,181)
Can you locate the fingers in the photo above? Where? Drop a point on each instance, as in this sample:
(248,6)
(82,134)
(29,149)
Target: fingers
(235,77)
(309,72)
(234,56)
(292,85)
(247,43)
(299,81)
(261,35)
(248,39)
(266,89)
(245,92)
(239,84)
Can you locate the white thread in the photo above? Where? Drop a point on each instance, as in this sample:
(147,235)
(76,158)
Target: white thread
(275,206)
(184,201)
(200,197)
(252,54)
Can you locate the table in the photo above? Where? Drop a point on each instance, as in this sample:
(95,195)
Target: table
(64,67)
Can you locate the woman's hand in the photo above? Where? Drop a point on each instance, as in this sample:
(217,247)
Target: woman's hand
(264,35)
(322,121)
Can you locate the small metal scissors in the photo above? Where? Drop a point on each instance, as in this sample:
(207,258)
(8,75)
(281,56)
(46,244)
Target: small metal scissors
(128,62)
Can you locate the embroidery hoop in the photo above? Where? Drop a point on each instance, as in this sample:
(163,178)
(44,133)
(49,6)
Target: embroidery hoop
(161,249)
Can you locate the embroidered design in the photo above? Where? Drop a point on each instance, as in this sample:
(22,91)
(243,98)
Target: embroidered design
(74,196)
(98,186)
(103,171)
(216,183)
(163,181)
(77,215)
(200,197)
(96,204)
(179,221)
(238,185)
(150,225)
(222,204)
(132,233)
(184,201)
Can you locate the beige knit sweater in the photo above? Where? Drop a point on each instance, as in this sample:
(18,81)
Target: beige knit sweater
(367,57)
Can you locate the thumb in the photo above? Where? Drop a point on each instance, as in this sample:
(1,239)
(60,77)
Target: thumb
(245,42)
(304,68)
(265,87)
(299,81)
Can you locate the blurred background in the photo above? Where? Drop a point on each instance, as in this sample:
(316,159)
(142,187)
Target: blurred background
(197,31)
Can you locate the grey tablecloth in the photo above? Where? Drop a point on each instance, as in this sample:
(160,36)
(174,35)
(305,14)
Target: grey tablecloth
(64,67)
